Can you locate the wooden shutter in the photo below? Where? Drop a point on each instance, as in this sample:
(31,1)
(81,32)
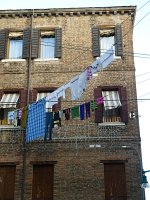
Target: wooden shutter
(33,95)
(95,42)
(99,110)
(118,40)
(35,43)
(124,102)
(1,94)
(1,109)
(115,181)
(26,43)
(42,187)
(3,43)
(7,182)
(58,43)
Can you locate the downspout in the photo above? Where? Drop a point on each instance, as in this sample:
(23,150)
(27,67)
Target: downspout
(27,102)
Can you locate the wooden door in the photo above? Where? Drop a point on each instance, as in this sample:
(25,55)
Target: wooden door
(115,181)
(42,188)
(7,182)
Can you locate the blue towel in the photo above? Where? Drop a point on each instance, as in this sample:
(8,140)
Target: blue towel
(36,121)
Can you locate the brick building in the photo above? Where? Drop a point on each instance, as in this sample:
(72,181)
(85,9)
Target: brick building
(97,158)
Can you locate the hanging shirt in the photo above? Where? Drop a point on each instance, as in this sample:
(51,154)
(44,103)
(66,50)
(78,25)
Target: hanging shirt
(96,66)
(75,112)
(82,83)
(49,125)
(107,57)
(10,117)
(93,105)
(60,92)
(89,73)
(67,113)
(74,85)
(99,100)
(82,112)
(61,114)
(87,109)
(51,99)
(36,121)
(15,121)
(56,119)
(19,113)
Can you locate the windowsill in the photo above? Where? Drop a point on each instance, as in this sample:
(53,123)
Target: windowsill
(117,57)
(111,124)
(10,127)
(47,59)
(13,60)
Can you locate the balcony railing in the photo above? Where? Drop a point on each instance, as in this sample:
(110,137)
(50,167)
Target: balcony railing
(111,119)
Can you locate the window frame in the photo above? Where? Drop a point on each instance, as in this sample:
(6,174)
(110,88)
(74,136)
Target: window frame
(111,118)
(46,36)
(2,92)
(123,100)
(106,35)
(19,37)
(118,39)
(35,91)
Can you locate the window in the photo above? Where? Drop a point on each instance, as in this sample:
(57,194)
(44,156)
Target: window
(42,185)
(104,38)
(41,95)
(11,44)
(111,106)
(15,45)
(8,104)
(114,108)
(107,40)
(115,181)
(44,44)
(47,44)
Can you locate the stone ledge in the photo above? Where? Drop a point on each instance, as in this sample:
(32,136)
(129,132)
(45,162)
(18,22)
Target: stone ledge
(130,10)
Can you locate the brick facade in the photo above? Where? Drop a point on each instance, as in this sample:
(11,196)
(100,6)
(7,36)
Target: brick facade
(79,149)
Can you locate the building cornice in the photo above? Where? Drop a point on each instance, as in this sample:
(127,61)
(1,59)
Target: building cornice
(130,10)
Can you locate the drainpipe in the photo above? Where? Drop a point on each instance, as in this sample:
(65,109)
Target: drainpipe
(27,102)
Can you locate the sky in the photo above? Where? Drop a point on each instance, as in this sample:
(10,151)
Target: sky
(141,49)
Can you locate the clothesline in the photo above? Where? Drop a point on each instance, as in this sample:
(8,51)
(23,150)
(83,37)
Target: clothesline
(36,120)
(78,83)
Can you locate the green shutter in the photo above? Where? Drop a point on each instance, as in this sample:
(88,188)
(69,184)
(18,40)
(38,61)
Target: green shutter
(118,40)
(26,43)
(95,42)
(35,43)
(3,43)
(58,43)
